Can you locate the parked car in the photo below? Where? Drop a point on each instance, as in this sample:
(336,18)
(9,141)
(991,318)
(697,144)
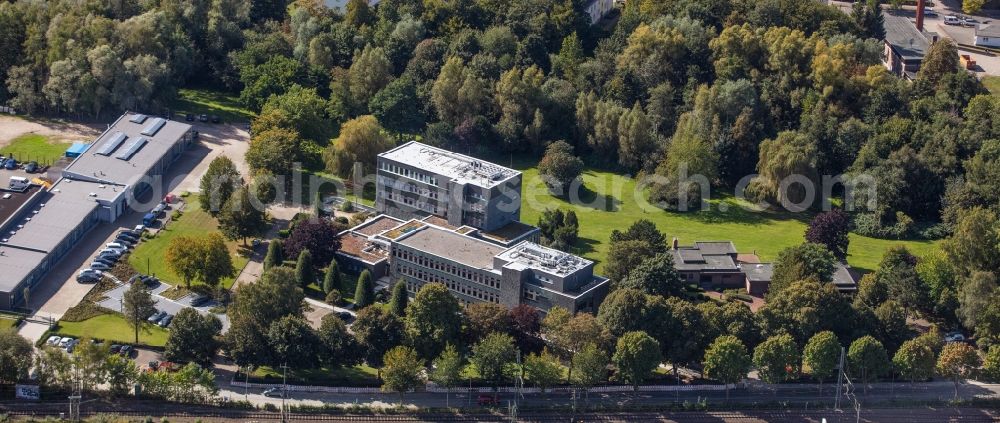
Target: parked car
(203,118)
(189,117)
(345,316)
(150,281)
(273,392)
(105,260)
(156,317)
(126,241)
(31,167)
(215,119)
(53,340)
(115,348)
(109,257)
(199,301)
(88,278)
(10,164)
(954,337)
(112,251)
(125,351)
(96,265)
(128,233)
(970,22)
(165,321)
(929,12)
(952,20)
(117,245)
(139,229)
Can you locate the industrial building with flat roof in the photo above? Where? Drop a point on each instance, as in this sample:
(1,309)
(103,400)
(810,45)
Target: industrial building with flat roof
(416,180)
(39,227)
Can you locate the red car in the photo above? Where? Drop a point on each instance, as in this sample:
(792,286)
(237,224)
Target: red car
(487,400)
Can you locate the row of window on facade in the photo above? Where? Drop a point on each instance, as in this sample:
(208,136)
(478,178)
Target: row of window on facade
(452,285)
(477,277)
(427,207)
(412,174)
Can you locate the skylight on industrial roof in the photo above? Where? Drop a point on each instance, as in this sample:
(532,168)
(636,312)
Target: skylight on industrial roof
(132,147)
(154,127)
(112,143)
(138,118)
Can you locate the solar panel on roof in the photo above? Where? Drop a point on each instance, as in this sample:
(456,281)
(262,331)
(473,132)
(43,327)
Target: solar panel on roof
(131,148)
(138,118)
(154,127)
(112,143)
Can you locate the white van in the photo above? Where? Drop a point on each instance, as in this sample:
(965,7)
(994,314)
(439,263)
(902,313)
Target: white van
(18,183)
(952,20)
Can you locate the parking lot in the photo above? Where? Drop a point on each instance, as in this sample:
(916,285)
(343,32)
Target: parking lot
(113,301)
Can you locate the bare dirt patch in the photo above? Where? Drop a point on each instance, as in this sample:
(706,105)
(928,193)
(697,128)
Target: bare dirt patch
(12,127)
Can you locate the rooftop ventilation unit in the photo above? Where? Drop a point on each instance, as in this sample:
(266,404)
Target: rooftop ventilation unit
(133,147)
(138,118)
(154,127)
(112,144)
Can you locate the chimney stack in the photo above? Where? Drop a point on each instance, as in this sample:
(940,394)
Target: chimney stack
(920,15)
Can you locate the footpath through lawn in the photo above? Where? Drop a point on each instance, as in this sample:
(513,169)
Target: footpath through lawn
(613,203)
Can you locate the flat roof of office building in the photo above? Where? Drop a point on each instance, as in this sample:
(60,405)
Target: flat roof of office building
(58,213)
(129,131)
(457,167)
(452,246)
(535,256)
(17,264)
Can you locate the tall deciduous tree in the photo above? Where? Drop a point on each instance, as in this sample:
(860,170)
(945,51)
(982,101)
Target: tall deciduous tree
(377,331)
(273,151)
(727,361)
(16,353)
(220,181)
(193,337)
(807,261)
(636,356)
(319,236)
(494,357)
(433,320)
(822,356)
(137,306)
(914,360)
(957,361)
(867,358)
(830,229)
(447,371)
(655,276)
(402,370)
(560,167)
(241,218)
(543,370)
(361,140)
(777,359)
(182,256)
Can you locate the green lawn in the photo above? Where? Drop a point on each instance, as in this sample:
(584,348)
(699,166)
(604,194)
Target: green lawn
(211,102)
(35,147)
(992,83)
(113,327)
(765,233)
(360,375)
(148,257)
(7,324)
